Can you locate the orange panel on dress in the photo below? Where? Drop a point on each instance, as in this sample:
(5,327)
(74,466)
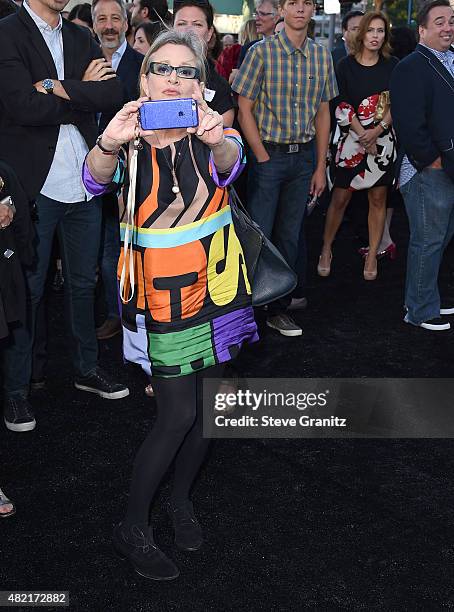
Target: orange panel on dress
(220,195)
(173,263)
(150,204)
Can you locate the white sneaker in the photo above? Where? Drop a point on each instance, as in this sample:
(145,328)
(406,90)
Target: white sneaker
(447,311)
(436,324)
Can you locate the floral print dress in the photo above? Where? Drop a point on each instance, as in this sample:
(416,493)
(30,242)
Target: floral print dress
(360,88)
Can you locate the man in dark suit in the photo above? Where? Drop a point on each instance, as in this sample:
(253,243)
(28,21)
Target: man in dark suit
(350,25)
(110,23)
(422,99)
(54,80)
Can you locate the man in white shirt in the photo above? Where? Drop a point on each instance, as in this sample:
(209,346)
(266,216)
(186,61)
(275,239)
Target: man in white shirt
(54,80)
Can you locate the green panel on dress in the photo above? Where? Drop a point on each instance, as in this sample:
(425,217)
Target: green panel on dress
(182,348)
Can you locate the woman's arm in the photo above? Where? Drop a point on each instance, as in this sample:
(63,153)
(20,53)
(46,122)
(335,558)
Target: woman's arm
(101,165)
(121,129)
(225,155)
(369,137)
(224,151)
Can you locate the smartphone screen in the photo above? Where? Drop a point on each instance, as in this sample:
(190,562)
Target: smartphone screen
(169,114)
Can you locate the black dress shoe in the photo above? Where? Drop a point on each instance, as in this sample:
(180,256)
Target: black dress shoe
(188,533)
(18,414)
(99,382)
(142,553)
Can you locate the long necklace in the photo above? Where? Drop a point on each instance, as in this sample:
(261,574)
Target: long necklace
(178,160)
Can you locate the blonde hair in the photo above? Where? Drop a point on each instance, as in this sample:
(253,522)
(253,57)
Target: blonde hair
(357,44)
(248,32)
(176,37)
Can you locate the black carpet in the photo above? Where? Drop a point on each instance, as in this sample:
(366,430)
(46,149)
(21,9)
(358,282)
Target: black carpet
(290,524)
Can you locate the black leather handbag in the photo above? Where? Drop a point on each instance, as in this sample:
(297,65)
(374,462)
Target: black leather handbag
(269,274)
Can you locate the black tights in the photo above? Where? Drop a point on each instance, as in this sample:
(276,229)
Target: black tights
(177,434)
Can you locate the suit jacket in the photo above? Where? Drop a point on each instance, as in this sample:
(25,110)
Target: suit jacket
(128,73)
(30,121)
(338,53)
(422,102)
(18,238)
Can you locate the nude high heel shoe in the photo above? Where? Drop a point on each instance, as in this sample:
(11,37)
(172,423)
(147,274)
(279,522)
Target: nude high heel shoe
(370,275)
(322,271)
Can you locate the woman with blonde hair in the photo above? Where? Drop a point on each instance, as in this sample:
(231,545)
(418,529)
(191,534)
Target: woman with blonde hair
(367,147)
(248,32)
(247,35)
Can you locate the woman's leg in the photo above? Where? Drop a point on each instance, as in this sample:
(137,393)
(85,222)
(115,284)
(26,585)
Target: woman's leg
(376,222)
(194,448)
(176,413)
(386,239)
(339,202)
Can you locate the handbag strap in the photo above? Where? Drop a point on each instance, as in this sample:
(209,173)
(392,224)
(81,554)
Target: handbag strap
(235,200)
(129,218)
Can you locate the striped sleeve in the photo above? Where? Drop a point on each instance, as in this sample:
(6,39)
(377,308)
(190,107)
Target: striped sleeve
(249,78)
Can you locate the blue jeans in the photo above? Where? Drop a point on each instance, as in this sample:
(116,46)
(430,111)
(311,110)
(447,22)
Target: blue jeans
(277,196)
(429,201)
(79,227)
(109,253)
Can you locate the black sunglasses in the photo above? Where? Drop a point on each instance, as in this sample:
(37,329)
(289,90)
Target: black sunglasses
(184,72)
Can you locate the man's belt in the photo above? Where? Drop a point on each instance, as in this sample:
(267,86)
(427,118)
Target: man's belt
(288,148)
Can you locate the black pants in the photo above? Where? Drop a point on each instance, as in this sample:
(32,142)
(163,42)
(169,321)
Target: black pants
(177,434)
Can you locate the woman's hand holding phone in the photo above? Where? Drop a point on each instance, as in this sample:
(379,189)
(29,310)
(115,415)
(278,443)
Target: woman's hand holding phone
(211,124)
(124,126)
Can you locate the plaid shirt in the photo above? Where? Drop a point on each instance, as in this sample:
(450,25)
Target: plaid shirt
(288,86)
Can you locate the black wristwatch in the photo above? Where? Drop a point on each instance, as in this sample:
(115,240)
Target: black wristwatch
(105,151)
(48,85)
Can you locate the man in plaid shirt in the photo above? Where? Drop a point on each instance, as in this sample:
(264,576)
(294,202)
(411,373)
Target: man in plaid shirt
(285,84)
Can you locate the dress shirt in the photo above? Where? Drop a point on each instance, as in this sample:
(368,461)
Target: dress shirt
(288,85)
(118,54)
(64,181)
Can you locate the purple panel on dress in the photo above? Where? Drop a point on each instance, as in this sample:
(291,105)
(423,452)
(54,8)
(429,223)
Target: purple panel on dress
(231,330)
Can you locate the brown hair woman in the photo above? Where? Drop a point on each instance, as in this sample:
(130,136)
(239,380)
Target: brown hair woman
(367,146)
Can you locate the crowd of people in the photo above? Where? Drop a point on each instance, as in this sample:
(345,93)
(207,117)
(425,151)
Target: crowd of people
(145,213)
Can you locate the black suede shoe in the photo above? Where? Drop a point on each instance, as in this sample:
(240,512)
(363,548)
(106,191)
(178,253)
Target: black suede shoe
(188,533)
(143,554)
(99,382)
(18,414)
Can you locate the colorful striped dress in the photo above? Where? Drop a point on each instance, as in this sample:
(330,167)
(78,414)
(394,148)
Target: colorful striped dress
(191,306)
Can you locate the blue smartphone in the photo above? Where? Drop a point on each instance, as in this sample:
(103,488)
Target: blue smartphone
(168,114)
